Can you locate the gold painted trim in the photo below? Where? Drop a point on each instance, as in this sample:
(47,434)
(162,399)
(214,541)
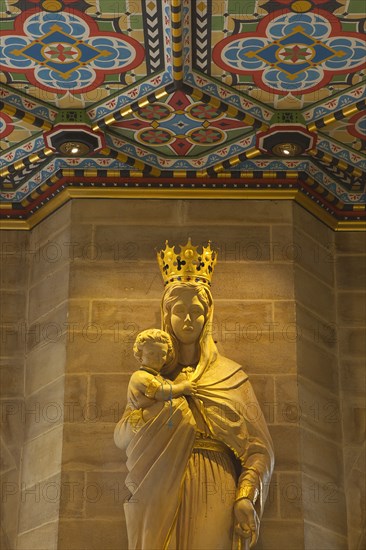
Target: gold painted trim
(337,163)
(17,225)
(312,127)
(182,193)
(27,117)
(346,112)
(316,210)
(38,216)
(201,193)
(349,111)
(350,226)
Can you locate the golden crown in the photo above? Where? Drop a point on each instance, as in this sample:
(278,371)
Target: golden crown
(188,266)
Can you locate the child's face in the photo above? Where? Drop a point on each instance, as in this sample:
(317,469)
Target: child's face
(154,355)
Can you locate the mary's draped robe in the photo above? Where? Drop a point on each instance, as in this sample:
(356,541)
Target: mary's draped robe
(185,465)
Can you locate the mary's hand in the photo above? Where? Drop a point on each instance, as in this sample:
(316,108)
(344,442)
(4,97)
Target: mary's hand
(247,520)
(189,388)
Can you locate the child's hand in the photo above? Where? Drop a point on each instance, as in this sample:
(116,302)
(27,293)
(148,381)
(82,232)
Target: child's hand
(190,388)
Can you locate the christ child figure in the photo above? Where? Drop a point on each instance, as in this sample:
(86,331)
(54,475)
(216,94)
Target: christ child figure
(148,391)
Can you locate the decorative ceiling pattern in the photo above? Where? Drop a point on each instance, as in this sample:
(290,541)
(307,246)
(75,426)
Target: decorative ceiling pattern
(183,98)
(13,131)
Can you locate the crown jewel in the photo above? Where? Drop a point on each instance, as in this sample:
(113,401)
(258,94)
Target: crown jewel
(189,265)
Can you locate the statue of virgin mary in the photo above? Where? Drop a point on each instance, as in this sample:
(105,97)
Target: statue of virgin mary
(199,470)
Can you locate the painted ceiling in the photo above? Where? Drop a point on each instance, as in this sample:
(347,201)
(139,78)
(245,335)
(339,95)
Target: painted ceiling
(183,98)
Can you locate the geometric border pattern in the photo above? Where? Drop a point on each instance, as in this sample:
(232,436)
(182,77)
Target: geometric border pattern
(245,185)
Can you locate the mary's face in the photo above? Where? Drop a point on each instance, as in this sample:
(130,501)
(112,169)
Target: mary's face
(187,317)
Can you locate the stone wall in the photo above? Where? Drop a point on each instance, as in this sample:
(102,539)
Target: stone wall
(44,389)
(322,488)
(115,291)
(351,303)
(93,283)
(13,311)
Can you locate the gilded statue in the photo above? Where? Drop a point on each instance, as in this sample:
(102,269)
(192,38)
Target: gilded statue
(199,461)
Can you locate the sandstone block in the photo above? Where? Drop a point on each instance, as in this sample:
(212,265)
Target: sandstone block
(51,225)
(282,246)
(42,457)
(306,287)
(9,507)
(318,537)
(291,495)
(284,313)
(354,459)
(320,410)
(120,314)
(13,272)
(356,502)
(237,212)
(286,404)
(313,257)
(78,313)
(280,533)
(328,469)
(108,352)
(351,272)
(316,229)
(12,309)
(12,242)
(271,509)
(258,353)
(140,243)
(126,212)
(7,461)
(44,364)
(12,340)
(77,407)
(263,386)
(72,495)
(286,440)
(248,315)
(354,421)
(352,342)
(12,426)
(352,308)
(108,395)
(49,293)
(49,256)
(42,538)
(316,363)
(40,503)
(82,246)
(253,281)
(353,376)
(51,328)
(44,409)
(350,243)
(324,504)
(319,331)
(90,446)
(127,281)
(106,494)
(11,378)
(92,534)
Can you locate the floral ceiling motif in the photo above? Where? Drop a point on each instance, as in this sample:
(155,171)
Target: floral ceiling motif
(181,126)
(186,94)
(292,52)
(66,52)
